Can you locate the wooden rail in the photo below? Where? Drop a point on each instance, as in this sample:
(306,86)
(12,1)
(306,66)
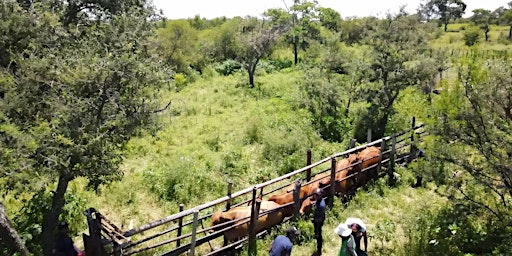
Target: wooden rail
(128,242)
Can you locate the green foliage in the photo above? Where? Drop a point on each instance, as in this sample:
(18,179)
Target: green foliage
(78,94)
(180,81)
(28,220)
(185,177)
(176,44)
(228,67)
(396,64)
(472,36)
(455,230)
(445,10)
(323,100)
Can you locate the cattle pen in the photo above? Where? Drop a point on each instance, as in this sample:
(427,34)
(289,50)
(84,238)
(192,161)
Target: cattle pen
(186,232)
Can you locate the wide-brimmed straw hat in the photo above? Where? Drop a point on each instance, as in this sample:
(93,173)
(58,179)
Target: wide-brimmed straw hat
(343,230)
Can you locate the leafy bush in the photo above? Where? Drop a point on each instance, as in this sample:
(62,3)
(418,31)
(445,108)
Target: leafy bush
(180,81)
(183,180)
(472,35)
(324,102)
(281,63)
(228,67)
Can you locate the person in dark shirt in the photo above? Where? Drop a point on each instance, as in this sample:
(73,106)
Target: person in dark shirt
(64,244)
(358,231)
(318,219)
(282,245)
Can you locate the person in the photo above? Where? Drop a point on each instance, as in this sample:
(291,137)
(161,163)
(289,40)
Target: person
(283,245)
(64,244)
(358,231)
(347,240)
(318,219)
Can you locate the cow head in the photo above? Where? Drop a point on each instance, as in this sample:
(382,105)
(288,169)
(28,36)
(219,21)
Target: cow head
(219,218)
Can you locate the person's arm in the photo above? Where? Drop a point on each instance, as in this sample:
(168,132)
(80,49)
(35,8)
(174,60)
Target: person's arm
(365,241)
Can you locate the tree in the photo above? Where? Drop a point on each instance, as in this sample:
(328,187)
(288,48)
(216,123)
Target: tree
(472,134)
(445,10)
(79,93)
(302,15)
(176,44)
(9,238)
(255,42)
(482,18)
(398,60)
(329,18)
(507,19)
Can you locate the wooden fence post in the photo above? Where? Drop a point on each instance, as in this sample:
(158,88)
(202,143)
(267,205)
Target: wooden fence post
(230,187)
(352,143)
(228,205)
(392,161)
(193,238)
(92,242)
(412,149)
(308,163)
(369,135)
(381,156)
(255,212)
(180,226)
(296,198)
(332,188)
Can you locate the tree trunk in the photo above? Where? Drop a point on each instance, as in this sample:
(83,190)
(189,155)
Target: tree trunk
(295,50)
(251,78)
(445,26)
(51,218)
(348,105)
(510,33)
(8,235)
(487,35)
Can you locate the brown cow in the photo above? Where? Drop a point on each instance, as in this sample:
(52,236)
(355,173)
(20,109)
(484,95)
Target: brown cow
(287,197)
(264,222)
(367,157)
(324,179)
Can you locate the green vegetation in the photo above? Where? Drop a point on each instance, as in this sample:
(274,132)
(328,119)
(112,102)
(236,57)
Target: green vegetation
(84,122)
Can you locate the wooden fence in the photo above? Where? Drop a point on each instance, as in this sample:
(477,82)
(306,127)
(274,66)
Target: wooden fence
(185,231)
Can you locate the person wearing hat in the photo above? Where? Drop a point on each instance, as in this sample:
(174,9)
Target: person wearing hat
(318,219)
(347,240)
(358,231)
(282,245)
(64,245)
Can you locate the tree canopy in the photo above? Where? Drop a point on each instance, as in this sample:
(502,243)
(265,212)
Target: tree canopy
(75,90)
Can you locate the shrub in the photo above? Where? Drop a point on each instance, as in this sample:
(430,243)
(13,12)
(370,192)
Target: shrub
(472,36)
(228,67)
(182,180)
(180,81)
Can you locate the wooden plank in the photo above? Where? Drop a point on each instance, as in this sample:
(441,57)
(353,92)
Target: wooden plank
(332,188)
(253,225)
(194,229)
(296,198)
(308,163)
(180,226)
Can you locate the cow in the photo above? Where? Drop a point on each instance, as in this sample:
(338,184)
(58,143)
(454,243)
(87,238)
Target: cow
(324,179)
(287,197)
(367,157)
(266,221)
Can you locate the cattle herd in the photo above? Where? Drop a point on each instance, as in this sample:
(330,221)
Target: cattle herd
(278,206)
